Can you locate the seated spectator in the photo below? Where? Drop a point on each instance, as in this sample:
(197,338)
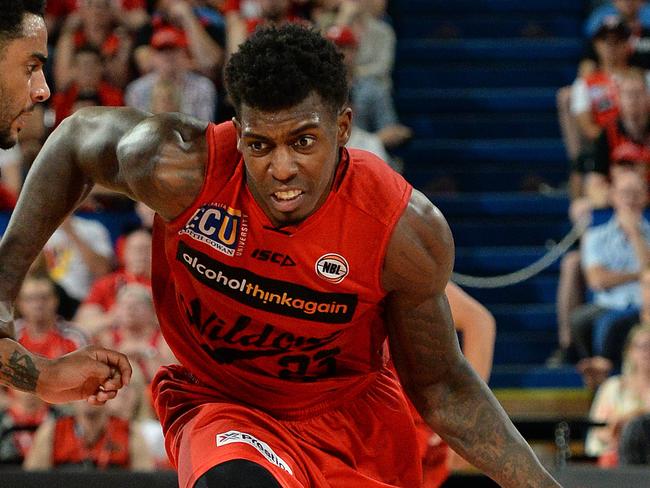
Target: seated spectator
(133,329)
(144,220)
(598,368)
(39,328)
(373,72)
(624,143)
(621,398)
(613,256)
(79,252)
(94,24)
(592,101)
(18,423)
(131,14)
(171,86)
(265,12)
(636,15)
(626,140)
(133,403)
(87,87)
(94,314)
(90,439)
(204,36)
(371,99)
(376,142)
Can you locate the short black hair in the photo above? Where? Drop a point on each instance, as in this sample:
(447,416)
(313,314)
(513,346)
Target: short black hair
(278,67)
(11,16)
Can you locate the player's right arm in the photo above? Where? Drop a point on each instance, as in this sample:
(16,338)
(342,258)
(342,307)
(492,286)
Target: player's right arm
(446,391)
(156,159)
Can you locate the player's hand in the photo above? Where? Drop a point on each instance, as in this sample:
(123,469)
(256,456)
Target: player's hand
(93,373)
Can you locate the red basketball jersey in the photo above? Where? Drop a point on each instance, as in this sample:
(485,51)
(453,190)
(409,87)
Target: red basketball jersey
(286,319)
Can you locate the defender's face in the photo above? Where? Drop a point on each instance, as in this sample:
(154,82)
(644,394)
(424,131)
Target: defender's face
(291,156)
(22,82)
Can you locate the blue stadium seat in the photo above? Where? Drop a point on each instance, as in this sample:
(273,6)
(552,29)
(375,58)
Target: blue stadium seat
(427,51)
(483,125)
(490,100)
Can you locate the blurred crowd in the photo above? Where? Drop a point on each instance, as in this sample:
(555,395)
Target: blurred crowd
(603,301)
(89,286)
(168,56)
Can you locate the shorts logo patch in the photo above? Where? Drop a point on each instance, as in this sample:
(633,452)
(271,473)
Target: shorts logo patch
(332,267)
(219,226)
(233,436)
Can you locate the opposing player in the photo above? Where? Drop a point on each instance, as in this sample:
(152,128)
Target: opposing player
(281,263)
(478,329)
(91,373)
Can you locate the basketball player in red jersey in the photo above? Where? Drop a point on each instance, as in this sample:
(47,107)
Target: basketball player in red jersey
(281,263)
(90,373)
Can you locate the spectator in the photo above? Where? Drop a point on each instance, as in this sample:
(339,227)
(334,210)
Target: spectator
(362,138)
(40,329)
(94,24)
(79,252)
(87,86)
(621,398)
(371,98)
(89,439)
(130,13)
(94,312)
(613,255)
(240,25)
(636,15)
(592,101)
(204,37)
(133,403)
(143,220)
(18,423)
(626,141)
(171,86)
(133,329)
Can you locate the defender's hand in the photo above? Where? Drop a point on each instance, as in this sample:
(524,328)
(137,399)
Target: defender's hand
(93,373)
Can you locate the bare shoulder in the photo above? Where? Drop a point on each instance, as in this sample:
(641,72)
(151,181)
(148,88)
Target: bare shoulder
(163,159)
(420,253)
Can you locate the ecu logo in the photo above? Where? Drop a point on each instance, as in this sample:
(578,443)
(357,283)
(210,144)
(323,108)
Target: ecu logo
(219,226)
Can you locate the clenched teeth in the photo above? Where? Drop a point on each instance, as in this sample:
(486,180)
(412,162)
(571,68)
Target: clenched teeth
(287,195)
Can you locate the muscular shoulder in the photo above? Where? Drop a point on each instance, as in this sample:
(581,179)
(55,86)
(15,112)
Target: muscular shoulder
(163,158)
(420,254)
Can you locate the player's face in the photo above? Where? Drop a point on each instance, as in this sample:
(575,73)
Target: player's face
(22,82)
(291,156)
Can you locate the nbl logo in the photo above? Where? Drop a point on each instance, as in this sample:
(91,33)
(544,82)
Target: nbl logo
(332,267)
(219,226)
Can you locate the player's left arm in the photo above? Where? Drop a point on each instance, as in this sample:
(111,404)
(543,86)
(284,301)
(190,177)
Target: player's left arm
(447,392)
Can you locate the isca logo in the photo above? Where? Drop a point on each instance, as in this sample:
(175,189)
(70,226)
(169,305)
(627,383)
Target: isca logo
(332,267)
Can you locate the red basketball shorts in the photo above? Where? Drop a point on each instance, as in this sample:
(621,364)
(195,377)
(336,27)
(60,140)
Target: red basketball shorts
(367,440)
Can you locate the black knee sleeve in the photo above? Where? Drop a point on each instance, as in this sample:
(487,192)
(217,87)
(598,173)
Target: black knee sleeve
(238,473)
